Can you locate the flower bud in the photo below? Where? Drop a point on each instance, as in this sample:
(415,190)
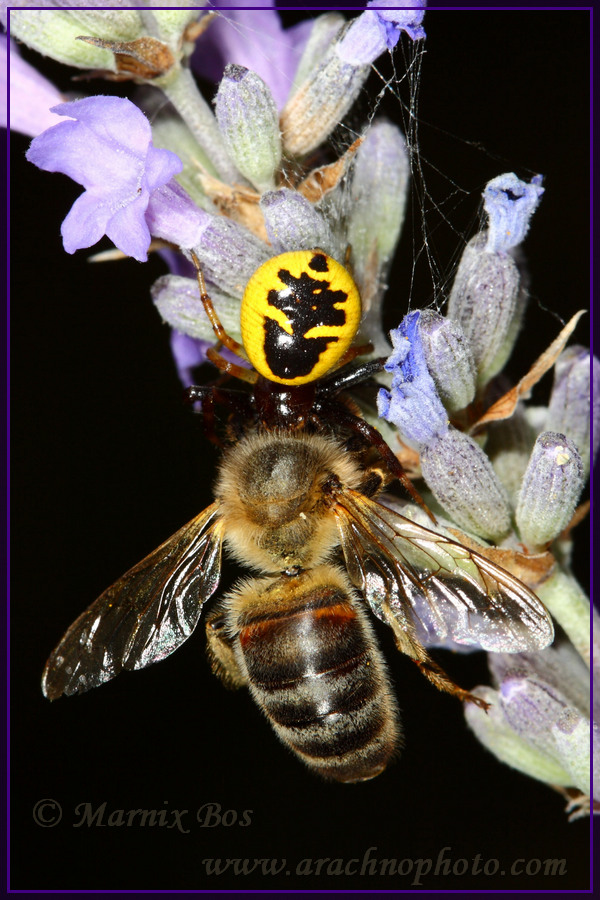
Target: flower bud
(551,487)
(178,302)
(320,103)
(170,131)
(248,120)
(169,25)
(551,721)
(508,445)
(486,301)
(54,33)
(378,191)
(463,481)
(292,223)
(329,90)
(539,719)
(323,32)
(487,297)
(229,254)
(569,407)
(449,359)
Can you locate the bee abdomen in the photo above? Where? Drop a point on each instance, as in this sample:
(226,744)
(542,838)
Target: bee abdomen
(315,669)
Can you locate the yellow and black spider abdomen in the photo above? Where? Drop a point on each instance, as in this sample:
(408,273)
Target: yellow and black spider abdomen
(300,313)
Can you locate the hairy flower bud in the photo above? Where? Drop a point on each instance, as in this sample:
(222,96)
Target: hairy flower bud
(323,32)
(54,33)
(449,359)
(248,120)
(169,25)
(487,297)
(322,100)
(229,254)
(378,191)
(292,222)
(551,487)
(539,718)
(178,302)
(463,481)
(569,407)
(508,445)
(485,300)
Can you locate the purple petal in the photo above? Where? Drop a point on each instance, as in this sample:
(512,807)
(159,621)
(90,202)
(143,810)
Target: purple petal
(107,149)
(187,353)
(128,230)
(85,223)
(31,95)
(377,30)
(510,203)
(413,404)
(408,19)
(173,216)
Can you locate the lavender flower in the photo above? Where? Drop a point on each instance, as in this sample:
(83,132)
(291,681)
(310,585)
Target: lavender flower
(487,297)
(540,720)
(329,90)
(108,149)
(131,205)
(458,472)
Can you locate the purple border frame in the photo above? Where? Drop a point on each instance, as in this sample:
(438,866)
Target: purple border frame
(6,248)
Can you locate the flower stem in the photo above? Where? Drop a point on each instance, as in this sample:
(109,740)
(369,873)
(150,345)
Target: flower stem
(180,88)
(570,606)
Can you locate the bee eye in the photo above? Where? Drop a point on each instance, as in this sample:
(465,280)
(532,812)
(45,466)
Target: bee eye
(300,313)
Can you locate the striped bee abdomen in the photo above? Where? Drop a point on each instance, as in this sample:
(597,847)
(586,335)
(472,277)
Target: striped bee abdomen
(309,655)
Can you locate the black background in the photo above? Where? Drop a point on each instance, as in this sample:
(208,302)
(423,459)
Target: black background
(107,462)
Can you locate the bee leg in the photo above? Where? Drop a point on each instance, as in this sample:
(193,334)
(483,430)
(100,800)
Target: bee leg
(437,676)
(410,646)
(220,651)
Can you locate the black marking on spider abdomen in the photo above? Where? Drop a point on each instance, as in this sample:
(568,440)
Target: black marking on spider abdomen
(289,356)
(307,303)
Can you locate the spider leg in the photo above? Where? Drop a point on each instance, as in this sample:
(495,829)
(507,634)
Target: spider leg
(230,368)
(211,312)
(343,379)
(238,403)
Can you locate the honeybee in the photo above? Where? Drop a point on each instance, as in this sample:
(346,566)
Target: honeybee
(295,501)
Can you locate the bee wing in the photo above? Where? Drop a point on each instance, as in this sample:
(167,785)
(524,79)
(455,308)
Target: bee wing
(145,615)
(436,585)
